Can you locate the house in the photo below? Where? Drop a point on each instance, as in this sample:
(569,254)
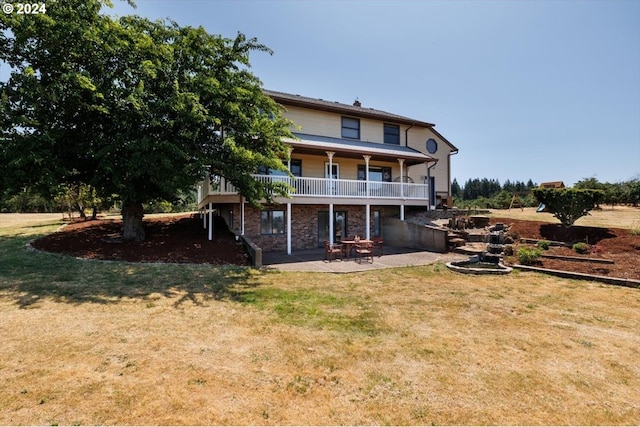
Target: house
(353,166)
(552,184)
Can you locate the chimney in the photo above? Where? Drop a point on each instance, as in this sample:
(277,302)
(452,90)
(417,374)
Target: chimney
(357,103)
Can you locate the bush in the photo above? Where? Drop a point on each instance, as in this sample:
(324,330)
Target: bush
(544,244)
(528,256)
(581,248)
(568,204)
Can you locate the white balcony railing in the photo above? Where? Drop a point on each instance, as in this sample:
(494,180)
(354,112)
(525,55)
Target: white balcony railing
(324,187)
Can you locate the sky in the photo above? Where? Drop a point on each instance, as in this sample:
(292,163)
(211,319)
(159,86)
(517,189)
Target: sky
(542,90)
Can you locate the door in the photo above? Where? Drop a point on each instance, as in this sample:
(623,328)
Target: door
(432,190)
(339,226)
(335,174)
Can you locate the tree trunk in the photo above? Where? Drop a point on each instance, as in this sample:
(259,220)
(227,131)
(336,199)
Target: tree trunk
(81,211)
(132,228)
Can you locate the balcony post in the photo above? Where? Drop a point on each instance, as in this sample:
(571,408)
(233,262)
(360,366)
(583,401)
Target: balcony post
(367,210)
(331,219)
(330,154)
(288,228)
(242,215)
(401,161)
(210,221)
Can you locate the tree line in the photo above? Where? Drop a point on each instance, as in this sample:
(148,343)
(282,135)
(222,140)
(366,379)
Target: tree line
(490,194)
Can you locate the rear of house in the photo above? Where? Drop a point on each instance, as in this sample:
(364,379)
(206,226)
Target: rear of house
(352,166)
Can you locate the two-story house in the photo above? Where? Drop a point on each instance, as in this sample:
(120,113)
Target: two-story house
(352,167)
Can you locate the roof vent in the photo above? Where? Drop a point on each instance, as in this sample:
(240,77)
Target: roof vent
(357,103)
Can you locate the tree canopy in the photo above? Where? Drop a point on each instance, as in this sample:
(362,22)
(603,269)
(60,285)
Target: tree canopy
(568,204)
(135,108)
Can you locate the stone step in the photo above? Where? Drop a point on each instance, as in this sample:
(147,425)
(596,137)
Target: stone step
(457,242)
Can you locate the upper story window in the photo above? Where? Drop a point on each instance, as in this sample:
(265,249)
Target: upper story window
(432,146)
(350,128)
(391,134)
(296,169)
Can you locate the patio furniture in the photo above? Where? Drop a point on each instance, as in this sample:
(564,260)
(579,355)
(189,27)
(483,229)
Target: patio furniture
(364,248)
(332,251)
(350,242)
(377,245)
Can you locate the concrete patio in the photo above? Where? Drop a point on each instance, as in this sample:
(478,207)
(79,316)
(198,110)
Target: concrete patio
(313,260)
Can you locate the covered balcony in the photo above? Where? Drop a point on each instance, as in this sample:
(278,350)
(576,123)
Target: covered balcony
(369,188)
(323,190)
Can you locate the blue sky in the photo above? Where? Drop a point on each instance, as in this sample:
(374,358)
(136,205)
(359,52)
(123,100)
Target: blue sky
(547,90)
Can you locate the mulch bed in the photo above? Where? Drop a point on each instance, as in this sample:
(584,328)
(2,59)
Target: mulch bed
(177,239)
(182,239)
(619,245)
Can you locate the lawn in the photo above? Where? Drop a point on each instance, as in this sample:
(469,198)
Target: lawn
(90,342)
(609,217)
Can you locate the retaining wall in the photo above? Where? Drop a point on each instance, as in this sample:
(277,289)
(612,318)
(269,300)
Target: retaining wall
(414,236)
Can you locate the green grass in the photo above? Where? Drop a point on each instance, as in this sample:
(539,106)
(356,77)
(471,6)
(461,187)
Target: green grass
(314,308)
(33,275)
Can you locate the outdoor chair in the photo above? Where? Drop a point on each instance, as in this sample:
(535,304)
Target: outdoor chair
(377,245)
(332,252)
(364,250)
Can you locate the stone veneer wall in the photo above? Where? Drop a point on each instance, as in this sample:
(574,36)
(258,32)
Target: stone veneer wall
(304,224)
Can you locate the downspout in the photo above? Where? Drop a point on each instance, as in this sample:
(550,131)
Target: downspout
(406,137)
(429,181)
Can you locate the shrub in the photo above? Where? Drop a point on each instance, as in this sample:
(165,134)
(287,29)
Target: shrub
(544,244)
(568,204)
(581,248)
(528,256)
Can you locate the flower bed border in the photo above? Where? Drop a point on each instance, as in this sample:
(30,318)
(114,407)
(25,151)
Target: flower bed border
(629,283)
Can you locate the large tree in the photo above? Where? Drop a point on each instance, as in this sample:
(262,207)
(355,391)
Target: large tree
(137,108)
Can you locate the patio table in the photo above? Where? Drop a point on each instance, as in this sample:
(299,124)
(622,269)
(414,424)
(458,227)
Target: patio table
(349,244)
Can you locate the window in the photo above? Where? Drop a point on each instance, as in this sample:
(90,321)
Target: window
(392,134)
(376,224)
(432,145)
(296,167)
(272,222)
(376,173)
(350,128)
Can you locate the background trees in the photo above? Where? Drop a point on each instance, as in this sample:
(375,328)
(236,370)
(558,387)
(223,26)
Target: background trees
(488,193)
(131,107)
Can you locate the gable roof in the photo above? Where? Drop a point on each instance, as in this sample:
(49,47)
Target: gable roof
(337,107)
(353,110)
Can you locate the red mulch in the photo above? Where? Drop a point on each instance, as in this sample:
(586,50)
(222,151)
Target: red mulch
(178,239)
(182,239)
(615,244)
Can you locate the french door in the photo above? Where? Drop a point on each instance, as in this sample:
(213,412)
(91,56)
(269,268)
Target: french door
(335,174)
(339,226)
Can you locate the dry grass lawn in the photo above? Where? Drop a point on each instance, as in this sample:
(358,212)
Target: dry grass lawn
(114,343)
(617,217)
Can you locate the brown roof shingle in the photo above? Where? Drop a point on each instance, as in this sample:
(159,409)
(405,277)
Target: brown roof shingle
(337,107)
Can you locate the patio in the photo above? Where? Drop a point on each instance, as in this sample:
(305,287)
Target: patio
(313,260)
